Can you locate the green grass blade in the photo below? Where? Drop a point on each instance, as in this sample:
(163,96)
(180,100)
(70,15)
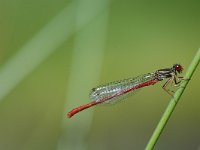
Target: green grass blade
(173,103)
(85,69)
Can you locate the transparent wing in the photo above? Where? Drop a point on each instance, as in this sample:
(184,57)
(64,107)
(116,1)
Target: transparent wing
(118,90)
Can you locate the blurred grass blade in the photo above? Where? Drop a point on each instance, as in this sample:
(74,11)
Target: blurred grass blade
(40,47)
(173,102)
(36,50)
(87,59)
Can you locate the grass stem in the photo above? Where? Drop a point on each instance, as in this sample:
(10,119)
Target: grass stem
(172,104)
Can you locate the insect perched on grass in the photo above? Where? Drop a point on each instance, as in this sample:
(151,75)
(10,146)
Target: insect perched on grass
(113,91)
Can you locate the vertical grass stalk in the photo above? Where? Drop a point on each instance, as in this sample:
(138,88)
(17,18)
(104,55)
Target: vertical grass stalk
(172,104)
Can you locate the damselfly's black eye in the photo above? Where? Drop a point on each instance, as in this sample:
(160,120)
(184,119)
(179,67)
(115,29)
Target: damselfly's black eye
(178,68)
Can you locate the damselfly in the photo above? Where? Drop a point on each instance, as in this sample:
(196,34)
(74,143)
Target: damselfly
(113,91)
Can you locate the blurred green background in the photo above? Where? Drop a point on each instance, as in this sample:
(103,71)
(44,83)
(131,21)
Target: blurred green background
(52,52)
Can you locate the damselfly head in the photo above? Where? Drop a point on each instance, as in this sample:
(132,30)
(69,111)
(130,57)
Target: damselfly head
(178,68)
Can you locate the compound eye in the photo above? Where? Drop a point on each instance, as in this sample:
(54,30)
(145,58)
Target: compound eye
(178,68)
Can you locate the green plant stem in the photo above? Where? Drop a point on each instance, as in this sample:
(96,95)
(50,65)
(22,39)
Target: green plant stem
(173,102)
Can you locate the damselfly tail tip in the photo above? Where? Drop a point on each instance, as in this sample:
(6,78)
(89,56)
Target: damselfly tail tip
(69,115)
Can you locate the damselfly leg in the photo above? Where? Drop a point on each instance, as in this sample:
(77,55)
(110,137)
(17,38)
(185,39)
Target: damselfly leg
(169,81)
(175,81)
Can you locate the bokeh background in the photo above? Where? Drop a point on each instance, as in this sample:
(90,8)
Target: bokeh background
(52,52)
